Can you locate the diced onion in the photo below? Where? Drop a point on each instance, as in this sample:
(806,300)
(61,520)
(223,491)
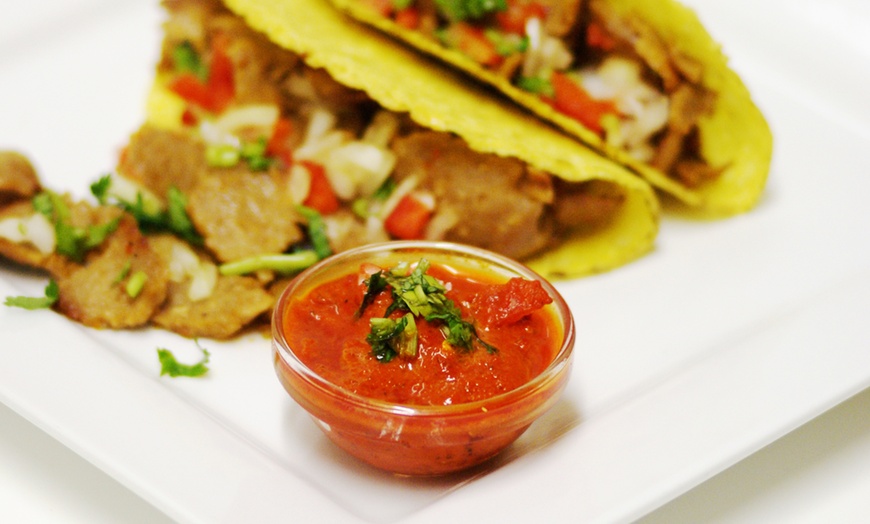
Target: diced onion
(644,110)
(130,192)
(545,53)
(299,183)
(186,264)
(382,129)
(357,168)
(403,188)
(254,115)
(35,229)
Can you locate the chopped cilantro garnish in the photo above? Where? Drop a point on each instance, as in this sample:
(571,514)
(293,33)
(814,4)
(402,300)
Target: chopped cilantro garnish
(536,85)
(186,59)
(72,241)
(285,263)
(457,10)
(374,285)
(136,283)
(170,366)
(420,295)
(316,231)
(51,295)
(253,153)
(148,211)
(389,337)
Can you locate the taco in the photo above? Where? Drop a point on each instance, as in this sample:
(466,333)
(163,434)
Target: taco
(255,113)
(640,81)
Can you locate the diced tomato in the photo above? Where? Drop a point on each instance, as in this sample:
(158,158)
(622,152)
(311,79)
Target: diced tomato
(277,146)
(571,99)
(503,304)
(189,118)
(408,17)
(220,78)
(598,38)
(321,196)
(518,13)
(215,94)
(192,89)
(473,42)
(409,219)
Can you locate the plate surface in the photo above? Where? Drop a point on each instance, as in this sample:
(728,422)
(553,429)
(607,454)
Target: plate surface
(728,336)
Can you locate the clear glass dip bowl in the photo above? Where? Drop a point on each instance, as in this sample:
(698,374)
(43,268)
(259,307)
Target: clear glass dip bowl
(420,439)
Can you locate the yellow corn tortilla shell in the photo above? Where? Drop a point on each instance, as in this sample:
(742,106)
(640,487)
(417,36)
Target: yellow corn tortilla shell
(403,81)
(736,136)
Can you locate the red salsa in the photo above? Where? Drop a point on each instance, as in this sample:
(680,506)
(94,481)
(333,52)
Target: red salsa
(511,337)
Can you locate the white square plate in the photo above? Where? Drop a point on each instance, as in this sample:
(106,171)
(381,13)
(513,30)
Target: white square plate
(727,336)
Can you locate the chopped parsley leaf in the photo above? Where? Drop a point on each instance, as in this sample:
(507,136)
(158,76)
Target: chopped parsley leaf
(72,241)
(170,366)
(51,295)
(316,231)
(418,294)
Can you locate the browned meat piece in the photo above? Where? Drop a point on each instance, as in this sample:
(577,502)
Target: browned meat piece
(484,193)
(159,159)
(23,252)
(93,293)
(242,214)
(562,16)
(18,179)
(688,104)
(587,204)
(235,302)
(223,310)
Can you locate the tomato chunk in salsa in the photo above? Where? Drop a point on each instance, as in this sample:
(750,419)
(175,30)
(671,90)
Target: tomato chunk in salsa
(520,337)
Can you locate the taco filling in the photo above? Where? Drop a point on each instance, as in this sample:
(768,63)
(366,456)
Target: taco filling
(257,122)
(610,73)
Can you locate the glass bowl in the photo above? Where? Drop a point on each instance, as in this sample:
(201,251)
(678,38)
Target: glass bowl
(409,439)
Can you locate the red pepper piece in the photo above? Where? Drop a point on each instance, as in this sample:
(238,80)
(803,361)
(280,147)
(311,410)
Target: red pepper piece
(571,99)
(409,219)
(507,303)
(321,196)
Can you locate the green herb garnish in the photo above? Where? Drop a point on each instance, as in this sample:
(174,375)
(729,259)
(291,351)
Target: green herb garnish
(51,295)
(536,85)
(72,241)
(389,337)
(285,263)
(457,10)
(316,231)
(419,295)
(186,59)
(149,212)
(170,366)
